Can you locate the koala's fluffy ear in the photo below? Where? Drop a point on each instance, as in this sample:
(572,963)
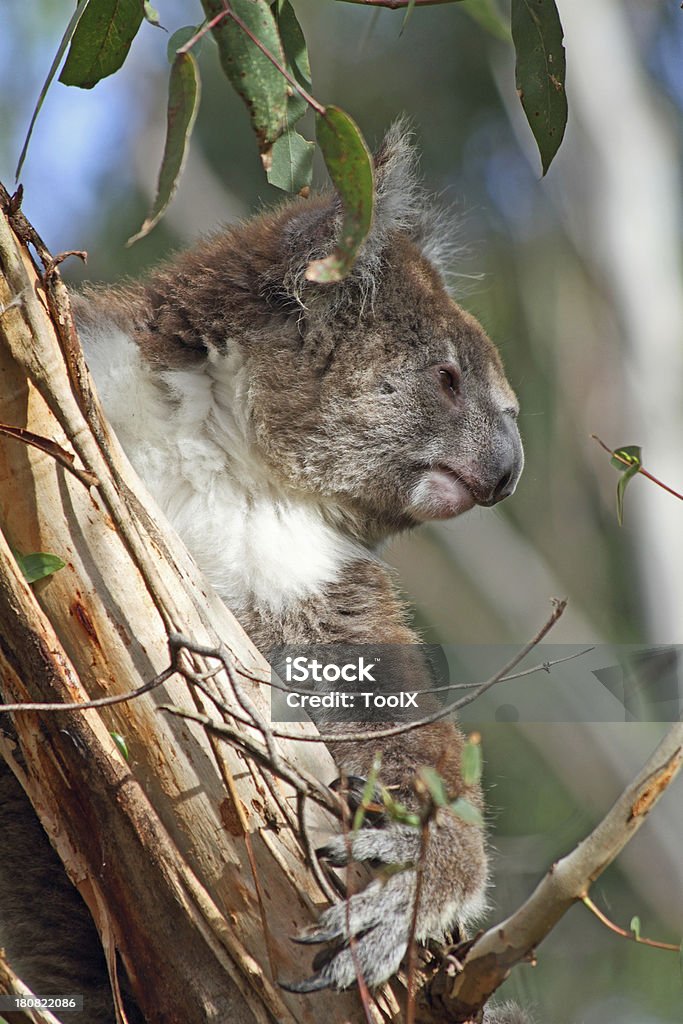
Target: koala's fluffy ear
(401,205)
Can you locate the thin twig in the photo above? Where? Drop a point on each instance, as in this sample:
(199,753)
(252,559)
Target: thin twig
(588,902)
(99,702)
(625,462)
(51,448)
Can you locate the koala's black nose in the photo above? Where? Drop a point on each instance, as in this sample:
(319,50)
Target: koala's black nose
(505,469)
(505,486)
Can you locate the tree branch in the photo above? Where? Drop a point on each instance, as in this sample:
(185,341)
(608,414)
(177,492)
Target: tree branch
(491,958)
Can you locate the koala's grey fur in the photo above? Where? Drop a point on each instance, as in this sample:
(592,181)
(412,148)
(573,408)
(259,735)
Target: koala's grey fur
(287,430)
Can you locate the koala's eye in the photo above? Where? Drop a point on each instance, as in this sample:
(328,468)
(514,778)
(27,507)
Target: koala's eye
(449,376)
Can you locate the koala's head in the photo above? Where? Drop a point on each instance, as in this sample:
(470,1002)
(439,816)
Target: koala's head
(379,398)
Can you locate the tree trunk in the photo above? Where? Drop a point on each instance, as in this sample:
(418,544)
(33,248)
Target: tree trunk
(186,854)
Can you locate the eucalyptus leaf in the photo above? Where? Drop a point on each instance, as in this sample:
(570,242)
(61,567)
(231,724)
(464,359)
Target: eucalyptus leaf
(292,163)
(37,565)
(368,794)
(253,75)
(152,15)
(179,38)
(627,456)
(540,71)
(101,41)
(471,762)
(296,58)
(121,744)
(628,461)
(408,15)
(435,786)
(350,167)
(467,811)
(183,101)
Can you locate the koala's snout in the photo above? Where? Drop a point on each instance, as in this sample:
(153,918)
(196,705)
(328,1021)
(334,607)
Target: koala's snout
(499,475)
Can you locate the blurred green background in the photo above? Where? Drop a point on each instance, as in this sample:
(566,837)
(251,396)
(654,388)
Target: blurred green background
(578,279)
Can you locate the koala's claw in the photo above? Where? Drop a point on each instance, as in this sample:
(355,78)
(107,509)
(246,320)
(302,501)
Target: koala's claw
(378,919)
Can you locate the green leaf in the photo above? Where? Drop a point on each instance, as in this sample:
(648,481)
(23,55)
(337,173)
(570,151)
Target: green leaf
(101,41)
(472,761)
(624,481)
(61,49)
(540,71)
(408,15)
(487,14)
(183,101)
(292,155)
(179,38)
(296,56)
(37,565)
(467,811)
(292,163)
(635,926)
(121,744)
(368,794)
(152,15)
(627,456)
(350,167)
(628,463)
(262,87)
(435,786)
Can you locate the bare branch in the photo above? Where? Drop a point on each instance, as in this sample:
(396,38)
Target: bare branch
(494,955)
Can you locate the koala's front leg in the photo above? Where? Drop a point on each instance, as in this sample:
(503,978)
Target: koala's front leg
(379,918)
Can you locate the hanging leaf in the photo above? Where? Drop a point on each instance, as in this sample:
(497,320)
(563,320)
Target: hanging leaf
(61,50)
(180,38)
(38,565)
(368,794)
(262,87)
(152,15)
(472,760)
(292,155)
(183,101)
(101,41)
(121,744)
(350,167)
(628,461)
(467,811)
(540,70)
(296,58)
(434,784)
(291,163)
(408,15)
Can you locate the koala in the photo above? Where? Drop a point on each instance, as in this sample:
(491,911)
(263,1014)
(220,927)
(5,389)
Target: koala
(288,430)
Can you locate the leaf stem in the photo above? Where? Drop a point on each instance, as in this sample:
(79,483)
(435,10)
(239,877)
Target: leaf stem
(588,902)
(625,462)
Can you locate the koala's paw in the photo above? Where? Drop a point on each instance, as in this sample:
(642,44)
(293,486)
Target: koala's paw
(378,919)
(396,844)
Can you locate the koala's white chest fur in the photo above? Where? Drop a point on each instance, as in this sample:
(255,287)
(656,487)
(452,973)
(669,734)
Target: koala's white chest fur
(186,434)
